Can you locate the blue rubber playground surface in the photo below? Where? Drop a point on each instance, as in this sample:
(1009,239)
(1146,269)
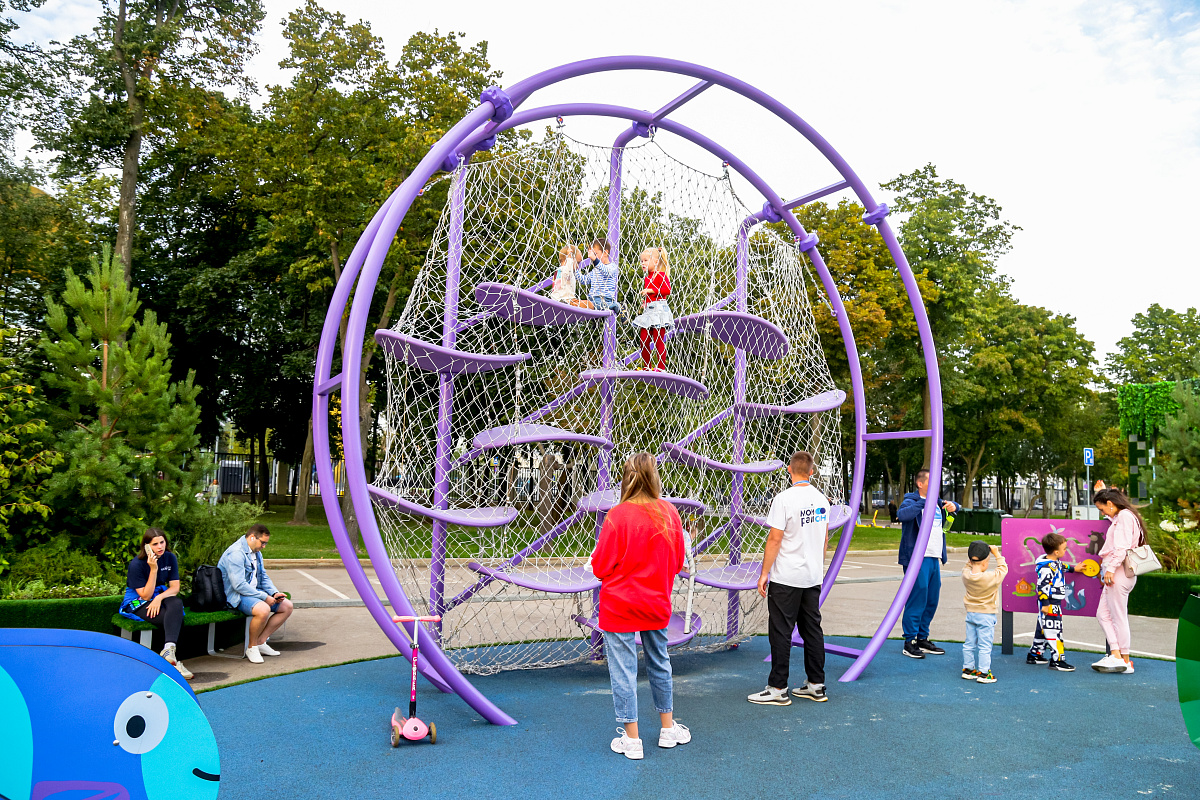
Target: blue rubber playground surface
(906,729)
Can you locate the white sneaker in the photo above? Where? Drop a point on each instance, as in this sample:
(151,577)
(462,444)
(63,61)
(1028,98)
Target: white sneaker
(267,650)
(1128,667)
(168,653)
(632,748)
(677,734)
(1110,663)
(254,656)
(184,671)
(771,696)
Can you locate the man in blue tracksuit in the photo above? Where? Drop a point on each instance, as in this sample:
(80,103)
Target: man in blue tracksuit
(923,599)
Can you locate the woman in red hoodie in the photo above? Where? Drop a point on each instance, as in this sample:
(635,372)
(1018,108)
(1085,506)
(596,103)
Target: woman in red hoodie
(638,555)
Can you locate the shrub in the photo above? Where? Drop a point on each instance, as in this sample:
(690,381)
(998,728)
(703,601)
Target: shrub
(206,536)
(54,564)
(88,587)
(1176,541)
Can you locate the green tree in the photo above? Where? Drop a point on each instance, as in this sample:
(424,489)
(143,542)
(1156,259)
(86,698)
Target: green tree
(138,68)
(1164,346)
(126,431)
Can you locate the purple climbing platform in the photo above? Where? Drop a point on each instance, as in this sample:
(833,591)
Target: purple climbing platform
(606,499)
(528,308)
(529,432)
(435,358)
(570,580)
(744,331)
(682,455)
(490,517)
(826,401)
(735,577)
(668,381)
(675,633)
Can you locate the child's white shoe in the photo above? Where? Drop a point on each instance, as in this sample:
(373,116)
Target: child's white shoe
(632,748)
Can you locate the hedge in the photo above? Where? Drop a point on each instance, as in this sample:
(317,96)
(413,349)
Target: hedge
(1162,594)
(79,613)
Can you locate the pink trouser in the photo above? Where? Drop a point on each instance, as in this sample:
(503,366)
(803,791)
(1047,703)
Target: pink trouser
(1113,613)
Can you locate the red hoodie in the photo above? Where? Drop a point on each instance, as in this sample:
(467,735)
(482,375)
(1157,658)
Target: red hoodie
(639,553)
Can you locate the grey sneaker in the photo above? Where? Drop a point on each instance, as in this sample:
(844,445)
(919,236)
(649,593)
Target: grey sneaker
(631,748)
(168,653)
(811,691)
(677,734)
(771,697)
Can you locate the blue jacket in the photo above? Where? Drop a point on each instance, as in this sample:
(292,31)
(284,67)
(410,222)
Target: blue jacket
(244,575)
(910,522)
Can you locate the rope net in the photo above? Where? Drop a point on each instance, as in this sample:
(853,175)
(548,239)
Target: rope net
(520,209)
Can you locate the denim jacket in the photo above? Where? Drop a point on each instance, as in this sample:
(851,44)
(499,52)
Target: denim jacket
(239,565)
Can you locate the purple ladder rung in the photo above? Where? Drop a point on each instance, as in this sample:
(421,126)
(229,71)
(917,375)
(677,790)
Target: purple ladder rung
(826,401)
(606,499)
(684,456)
(526,433)
(735,577)
(527,308)
(490,517)
(675,634)
(837,517)
(745,331)
(435,358)
(326,388)
(668,381)
(570,580)
(875,437)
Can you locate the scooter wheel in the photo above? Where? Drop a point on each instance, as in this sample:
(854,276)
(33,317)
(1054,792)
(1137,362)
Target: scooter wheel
(395,736)
(432,733)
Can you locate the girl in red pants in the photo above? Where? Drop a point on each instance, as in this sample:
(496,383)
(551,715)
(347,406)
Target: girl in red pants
(656,318)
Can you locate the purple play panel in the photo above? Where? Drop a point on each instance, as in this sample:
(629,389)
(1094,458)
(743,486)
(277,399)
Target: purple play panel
(527,308)
(826,401)
(669,381)
(529,432)
(675,634)
(744,331)
(684,456)
(735,577)
(606,499)
(559,581)
(489,517)
(435,358)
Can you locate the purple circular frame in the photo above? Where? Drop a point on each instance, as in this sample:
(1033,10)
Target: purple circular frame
(500,110)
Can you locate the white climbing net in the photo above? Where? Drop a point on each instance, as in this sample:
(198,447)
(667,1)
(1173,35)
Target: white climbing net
(521,207)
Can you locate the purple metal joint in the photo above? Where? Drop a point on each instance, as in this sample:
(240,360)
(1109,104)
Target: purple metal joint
(875,217)
(807,243)
(770,214)
(500,101)
(486,144)
(641,129)
(453,162)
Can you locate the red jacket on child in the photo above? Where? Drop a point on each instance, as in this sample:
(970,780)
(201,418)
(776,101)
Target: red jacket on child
(659,285)
(639,553)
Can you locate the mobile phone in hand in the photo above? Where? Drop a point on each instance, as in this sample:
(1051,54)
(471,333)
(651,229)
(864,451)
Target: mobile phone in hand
(149,551)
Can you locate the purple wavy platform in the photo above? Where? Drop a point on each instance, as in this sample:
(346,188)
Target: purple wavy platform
(606,499)
(826,401)
(559,581)
(435,358)
(529,432)
(684,456)
(489,517)
(837,517)
(669,381)
(744,331)
(527,308)
(675,634)
(735,577)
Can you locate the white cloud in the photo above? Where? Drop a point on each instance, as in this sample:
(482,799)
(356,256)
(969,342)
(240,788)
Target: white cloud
(1080,118)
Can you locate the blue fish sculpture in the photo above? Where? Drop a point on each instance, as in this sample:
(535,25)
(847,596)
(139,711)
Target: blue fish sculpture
(87,716)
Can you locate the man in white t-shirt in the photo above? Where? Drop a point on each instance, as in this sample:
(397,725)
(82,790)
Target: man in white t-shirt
(793,565)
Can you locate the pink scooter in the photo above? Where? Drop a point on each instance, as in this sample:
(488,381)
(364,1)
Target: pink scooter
(412,728)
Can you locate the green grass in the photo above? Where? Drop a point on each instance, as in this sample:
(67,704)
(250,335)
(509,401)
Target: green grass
(868,538)
(300,541)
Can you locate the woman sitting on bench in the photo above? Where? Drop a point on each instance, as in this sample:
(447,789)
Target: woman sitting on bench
(152,592)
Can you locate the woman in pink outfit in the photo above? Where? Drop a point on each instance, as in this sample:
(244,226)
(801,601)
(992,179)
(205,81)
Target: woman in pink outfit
(1126,532)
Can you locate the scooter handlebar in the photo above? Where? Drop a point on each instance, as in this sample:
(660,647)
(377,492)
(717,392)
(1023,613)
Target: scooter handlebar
(416,619)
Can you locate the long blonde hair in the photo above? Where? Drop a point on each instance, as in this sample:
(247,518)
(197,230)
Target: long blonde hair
(660,259)
(639,479)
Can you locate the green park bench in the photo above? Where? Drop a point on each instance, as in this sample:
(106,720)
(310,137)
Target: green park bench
(191,619)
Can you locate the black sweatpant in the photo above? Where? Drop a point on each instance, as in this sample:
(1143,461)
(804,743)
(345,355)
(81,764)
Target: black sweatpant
(787,607)
(169,618)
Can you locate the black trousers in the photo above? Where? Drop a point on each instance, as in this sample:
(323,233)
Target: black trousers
(169,618)
(788,607)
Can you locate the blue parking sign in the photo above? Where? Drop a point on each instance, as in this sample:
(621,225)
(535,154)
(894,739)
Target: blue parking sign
(1089,457)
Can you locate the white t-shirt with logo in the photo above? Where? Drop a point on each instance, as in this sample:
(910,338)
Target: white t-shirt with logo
(936,537)
(802,513)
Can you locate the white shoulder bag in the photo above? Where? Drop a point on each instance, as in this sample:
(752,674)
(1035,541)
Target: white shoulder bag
(1140,560)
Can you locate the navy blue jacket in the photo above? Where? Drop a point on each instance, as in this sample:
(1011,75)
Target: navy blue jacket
(910,522)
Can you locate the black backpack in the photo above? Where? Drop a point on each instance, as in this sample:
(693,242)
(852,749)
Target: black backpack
(208,590)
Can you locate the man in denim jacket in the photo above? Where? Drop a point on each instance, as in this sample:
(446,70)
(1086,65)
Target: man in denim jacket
(249,590)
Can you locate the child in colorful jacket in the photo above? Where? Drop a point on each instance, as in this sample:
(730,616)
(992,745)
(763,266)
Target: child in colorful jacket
(1051,592)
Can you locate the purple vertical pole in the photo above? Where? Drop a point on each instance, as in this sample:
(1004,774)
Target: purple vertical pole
(441,466)
(741,294)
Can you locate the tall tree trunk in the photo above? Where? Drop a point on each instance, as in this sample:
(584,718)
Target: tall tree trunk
(300,516)
(902,486)
(253,495)
(1047,504)
(264,479)
(973,464)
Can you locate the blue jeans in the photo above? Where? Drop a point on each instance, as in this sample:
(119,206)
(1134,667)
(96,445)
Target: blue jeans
(923,599)
(977,648)
(621,652)
(246,605)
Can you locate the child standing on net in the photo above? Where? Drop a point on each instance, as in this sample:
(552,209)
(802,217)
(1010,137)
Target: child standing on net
(1051,592)
(982,600)
(656,318)
(563,288)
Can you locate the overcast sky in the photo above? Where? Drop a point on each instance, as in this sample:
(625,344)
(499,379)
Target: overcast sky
(1082,119)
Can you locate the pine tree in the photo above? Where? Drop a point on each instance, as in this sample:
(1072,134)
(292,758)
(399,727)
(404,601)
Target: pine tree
(127,432)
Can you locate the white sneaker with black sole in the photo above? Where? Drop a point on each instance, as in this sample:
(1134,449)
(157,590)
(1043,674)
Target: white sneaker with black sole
(771,697)
(630,748)
(267,650)
(811,691)
(676,734)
